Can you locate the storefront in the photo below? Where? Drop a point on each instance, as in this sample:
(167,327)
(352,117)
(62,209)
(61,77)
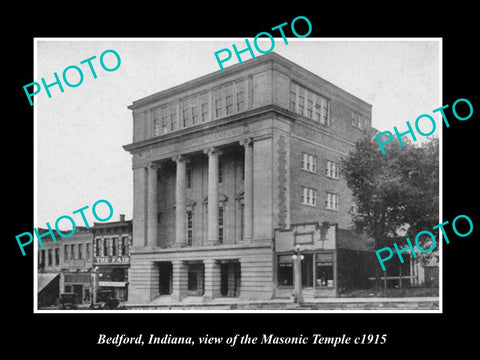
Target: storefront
(111,258)
(78,282)
(112,276)
(324,251)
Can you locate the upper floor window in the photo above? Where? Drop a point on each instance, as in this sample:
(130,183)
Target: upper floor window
(229,98)
(332,169)
(189,176)
(165,119)
(309,104)
(189,228)
(98,247)
(124,247)
(332,201)
(194,109)
(57,256)
(309,196)
(309,162)
(221,223)
(358,120)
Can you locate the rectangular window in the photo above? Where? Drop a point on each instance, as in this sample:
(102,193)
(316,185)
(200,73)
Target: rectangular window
(332,201)
(65,252)
(204,112)
(324,270)
(309,162)
(189,228)
(72,251)
(218,102)
(57,256)
(230,98)
(42,258)
(242,220)
(309,196)
(106,245)
(124,245)
(332,169)
(221,222)
(310,109)
(173,117)
(310,104)
(220,172)
(293,99)
(203,101)
(358,120)
(89,251)
(240,91)
(114,246)
(157,121)
(285,270)
(189,176)
(80,251)
(325,112)
(98,246)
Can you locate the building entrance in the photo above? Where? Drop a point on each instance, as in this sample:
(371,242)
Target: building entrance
(165,278)
(307,270)
(230,279)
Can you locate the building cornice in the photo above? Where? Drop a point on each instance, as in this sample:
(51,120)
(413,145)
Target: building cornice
(269,61)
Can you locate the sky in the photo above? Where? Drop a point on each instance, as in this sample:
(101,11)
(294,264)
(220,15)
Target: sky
(79,133)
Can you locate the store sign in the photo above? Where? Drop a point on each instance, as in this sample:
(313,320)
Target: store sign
(111,260)
(112,283)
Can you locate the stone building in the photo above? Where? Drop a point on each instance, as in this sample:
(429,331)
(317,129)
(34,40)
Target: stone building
(233,169)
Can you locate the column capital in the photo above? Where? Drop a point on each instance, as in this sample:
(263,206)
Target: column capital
(183,158)
(212,151)
(152,165)
(246,141)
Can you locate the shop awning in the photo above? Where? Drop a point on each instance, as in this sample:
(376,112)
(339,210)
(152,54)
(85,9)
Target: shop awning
(44,279)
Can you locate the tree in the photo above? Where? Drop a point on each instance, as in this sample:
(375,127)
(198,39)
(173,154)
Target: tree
(395,191)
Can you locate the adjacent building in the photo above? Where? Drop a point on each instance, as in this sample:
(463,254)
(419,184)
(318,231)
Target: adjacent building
(231,171)
(111,258)
(66,261)
(92,260)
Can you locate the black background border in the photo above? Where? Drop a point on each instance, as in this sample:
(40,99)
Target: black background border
(408,334)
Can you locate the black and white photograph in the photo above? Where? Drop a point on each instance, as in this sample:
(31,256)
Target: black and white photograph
(236,184)
(301,205)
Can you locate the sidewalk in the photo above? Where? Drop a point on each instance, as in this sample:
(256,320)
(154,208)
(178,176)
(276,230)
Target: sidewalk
(340,303)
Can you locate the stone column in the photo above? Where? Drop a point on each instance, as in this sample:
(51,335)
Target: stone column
(213,153)
(212,279)
(248,190)
(180,201)
(152,238)
(179,280)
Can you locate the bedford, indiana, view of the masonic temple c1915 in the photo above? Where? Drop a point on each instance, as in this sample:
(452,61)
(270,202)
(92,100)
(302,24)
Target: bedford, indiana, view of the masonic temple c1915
(238,203)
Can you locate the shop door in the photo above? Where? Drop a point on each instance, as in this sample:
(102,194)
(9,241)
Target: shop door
(307,270)
(78,291)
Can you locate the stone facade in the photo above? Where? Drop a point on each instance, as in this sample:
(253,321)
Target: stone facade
(223,161)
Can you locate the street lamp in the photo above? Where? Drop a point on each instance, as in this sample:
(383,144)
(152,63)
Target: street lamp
(94,285)
(297,274)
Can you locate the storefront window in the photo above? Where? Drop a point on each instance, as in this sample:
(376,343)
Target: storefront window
(285,270)
(324,270)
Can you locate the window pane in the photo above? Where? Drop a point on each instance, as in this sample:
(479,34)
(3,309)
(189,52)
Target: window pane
(324,274)
(285,272)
